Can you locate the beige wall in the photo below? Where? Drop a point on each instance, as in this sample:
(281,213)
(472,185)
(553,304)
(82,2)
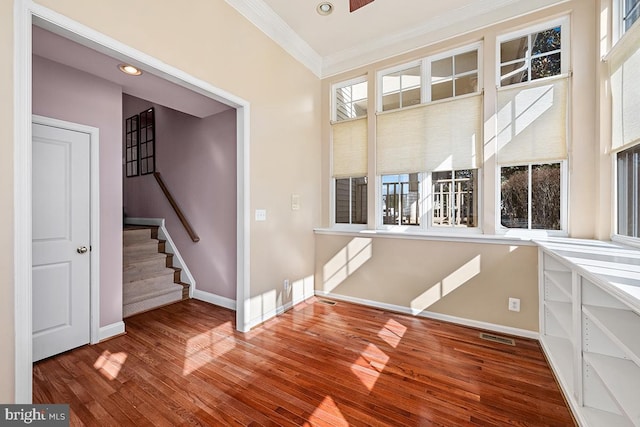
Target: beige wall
(6,207)
(211,41)
(466,280)
(412,267)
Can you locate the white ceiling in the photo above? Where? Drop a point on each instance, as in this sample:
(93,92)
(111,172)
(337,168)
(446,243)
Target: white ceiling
(342,41)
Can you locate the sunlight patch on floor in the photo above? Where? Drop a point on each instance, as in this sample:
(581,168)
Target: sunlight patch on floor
(207,346)
(327,412)
(392,332)
(109,364)
(369,365)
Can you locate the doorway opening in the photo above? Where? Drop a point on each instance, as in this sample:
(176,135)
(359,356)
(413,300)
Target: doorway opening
(28,14)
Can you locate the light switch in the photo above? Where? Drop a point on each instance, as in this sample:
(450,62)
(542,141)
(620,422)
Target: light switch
(295,202)
(261,214)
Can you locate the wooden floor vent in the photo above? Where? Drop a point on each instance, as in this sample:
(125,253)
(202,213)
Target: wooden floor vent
(497,338)
(326,301)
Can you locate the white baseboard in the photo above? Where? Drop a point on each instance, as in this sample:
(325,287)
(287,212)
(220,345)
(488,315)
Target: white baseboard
(524,333)
(214,299)
(111,331)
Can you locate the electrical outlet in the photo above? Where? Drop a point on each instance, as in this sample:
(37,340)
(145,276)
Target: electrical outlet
(514,304)
(287,286)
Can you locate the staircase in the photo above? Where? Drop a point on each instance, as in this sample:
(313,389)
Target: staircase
(149,280)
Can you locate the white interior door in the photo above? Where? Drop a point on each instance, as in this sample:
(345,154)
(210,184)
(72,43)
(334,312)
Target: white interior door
(61,240)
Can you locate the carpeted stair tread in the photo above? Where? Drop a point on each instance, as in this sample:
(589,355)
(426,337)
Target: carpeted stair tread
(148,280)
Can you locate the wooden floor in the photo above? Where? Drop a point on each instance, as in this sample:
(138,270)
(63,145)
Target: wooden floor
(317,364)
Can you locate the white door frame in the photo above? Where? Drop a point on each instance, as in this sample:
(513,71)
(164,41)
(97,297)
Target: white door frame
(26,12)
(94,214)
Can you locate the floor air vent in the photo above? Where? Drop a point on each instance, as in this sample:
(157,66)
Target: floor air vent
(326,301)
(497,338)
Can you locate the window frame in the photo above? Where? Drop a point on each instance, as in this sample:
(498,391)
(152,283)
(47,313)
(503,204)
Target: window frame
(615,235)
(425,75)
(564,202)
(429,206)
(333,120)
(618,24)
(425,206)
(334,101)
(350,225)
(565,47)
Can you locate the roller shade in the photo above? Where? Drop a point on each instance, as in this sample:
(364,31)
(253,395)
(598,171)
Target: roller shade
(437,136)
(532,122)
(350,148)
(625,96)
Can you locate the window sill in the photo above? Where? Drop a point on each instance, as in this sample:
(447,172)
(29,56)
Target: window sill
(526,240)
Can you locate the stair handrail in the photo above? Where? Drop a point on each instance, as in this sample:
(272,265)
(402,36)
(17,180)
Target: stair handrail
(176,208)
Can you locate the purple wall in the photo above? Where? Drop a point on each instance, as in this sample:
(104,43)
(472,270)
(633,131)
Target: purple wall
(67,94)
(197,160)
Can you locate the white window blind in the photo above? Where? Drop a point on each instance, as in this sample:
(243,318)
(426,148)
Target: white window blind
(350,148)
(625,96)
(532,122)
(437,136)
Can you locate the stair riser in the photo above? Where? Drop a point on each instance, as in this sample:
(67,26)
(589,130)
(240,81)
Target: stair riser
(165,279)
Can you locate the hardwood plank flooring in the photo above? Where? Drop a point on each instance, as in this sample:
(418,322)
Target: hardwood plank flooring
(317,364)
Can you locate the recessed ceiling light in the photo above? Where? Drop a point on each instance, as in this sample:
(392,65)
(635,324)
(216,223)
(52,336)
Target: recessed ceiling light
(324,8)
(129,69)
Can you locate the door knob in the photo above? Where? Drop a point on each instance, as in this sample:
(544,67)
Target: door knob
(82,249)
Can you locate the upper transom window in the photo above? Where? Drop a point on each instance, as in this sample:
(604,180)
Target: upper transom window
(350,100)
(533,55)
(436,77)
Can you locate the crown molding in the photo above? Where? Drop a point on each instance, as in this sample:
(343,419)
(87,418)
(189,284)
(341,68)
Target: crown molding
(454,23)
(263,17)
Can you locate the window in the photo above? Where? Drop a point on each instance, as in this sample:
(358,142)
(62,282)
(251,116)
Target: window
(454,75)
(401,88)
(431,151)
(131,146)
(351,200)
(437,77)
(139,132)
(532,56)
(628,185)
(400,199)
(147,142)
(531,196)
(454,195)
(350,100)
(349,152)
(630,12)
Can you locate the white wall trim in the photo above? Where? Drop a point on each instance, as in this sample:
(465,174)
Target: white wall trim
(214,299)
(26,12)
(22,91)
(94,253)
(524,333)
(264,18)
(110,331)
(170,247)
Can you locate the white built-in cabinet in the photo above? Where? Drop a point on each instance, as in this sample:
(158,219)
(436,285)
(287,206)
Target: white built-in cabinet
(590,327)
